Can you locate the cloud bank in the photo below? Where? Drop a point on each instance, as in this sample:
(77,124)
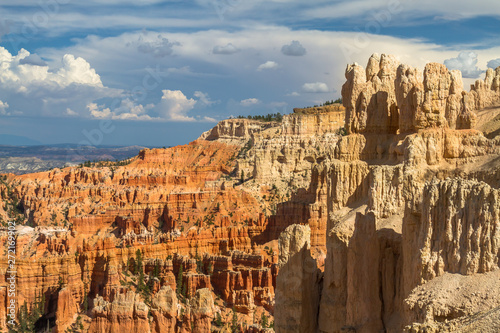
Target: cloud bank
(466,62)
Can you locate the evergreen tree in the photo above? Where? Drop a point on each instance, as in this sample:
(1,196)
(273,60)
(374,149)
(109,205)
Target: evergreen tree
(234,322)
(138,261)
(179,281)
(85,298)
(218,320)
(264,322)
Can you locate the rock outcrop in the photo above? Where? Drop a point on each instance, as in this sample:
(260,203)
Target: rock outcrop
(389,98)
(125,313)
(298,284)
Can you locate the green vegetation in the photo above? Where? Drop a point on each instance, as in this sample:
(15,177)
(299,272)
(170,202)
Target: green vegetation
(181,289)
(12,206)
(243,151)
(264,322)
(209,219)
(234,322)
(267,118)
(76,327)
(60,283)
(104,163)
(142,287)
(337,101)
(85,298)
(29,315)
(342,131)
(218,320)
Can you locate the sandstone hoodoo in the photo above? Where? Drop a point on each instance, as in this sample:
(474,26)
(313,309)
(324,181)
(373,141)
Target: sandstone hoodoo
(381,214)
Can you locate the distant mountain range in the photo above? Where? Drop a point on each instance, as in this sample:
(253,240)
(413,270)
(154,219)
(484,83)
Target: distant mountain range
(16,140)
(29,158)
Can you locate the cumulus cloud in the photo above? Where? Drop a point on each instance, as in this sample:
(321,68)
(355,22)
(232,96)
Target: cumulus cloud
(495,63)
(466,62)
(127,110)
(203,97)
(77,70)
(268,65)
(30,86)
(175,105)
(226,49)
(249,102)
(159,47)
(316,87)
(293,49)
(16,74)
(3,108)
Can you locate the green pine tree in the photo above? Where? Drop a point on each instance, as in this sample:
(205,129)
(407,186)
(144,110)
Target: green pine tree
(179,281)
(264,322)
(234,322)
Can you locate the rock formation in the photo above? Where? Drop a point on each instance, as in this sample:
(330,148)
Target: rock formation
(378,215)
(297,283)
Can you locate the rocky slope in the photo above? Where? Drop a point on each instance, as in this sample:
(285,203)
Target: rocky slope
(379,215)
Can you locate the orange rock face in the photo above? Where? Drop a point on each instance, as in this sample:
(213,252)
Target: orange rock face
(175,206)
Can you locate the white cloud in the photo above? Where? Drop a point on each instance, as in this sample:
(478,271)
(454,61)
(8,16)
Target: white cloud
(466,62)
(293,49)
(209,119)
(268,65)
(127,110)
(70,112)
(31,87)
(204,98)
(21,73)
(226,49)
(316,87)
(175,105)
(249,102)
(293,94)
(3,108)
(77,70)
(495,63)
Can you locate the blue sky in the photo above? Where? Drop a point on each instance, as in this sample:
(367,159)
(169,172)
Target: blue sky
(159,73)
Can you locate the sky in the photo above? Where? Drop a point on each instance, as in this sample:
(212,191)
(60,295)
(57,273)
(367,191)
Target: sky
(159,73)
